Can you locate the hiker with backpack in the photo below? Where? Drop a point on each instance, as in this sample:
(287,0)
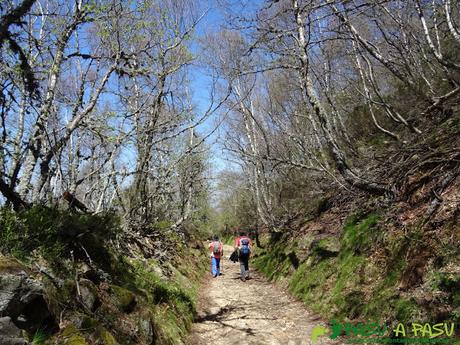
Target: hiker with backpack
(243,245)
(217,251)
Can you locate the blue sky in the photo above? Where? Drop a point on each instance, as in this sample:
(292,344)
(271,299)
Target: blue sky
(200,85)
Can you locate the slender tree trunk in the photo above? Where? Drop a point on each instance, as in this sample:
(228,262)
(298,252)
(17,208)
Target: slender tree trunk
(34,146)
(338,155)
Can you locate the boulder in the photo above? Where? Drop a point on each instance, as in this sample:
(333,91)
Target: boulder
(88,294)
(146,330)
(22,297)
(9,333)
(17,288)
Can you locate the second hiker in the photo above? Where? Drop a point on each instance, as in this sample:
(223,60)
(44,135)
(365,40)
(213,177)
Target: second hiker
(217,251)
(243,244)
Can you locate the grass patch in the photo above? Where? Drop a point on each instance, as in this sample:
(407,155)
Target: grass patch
(309,282)
(40,337)
(360,234)
(274,263)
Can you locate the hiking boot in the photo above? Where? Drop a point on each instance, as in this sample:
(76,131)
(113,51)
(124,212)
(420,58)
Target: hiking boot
(243,279)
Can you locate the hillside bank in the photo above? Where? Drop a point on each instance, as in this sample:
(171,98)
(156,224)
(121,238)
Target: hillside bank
(74,279)
(367,262)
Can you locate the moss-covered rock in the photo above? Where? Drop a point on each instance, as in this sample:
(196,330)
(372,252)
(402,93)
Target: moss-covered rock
(70,336)
(88,322)
(124,299)
(105,337)
(326,247)
(22,298)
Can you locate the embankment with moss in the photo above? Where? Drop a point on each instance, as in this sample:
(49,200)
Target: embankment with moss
(79,279)
(370,264)
(390,258)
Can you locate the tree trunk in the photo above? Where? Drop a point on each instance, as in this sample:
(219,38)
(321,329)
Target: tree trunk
(338,155)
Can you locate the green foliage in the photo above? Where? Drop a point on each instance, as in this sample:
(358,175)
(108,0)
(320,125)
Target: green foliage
(236,204)
(10,231)
(53,234)
(379,305)
(330,284)
(446,285)
(309,281)
(169,300)
(406,309)
(93,7)
(162,225)
(227,238)
(360,234)
(174,299)
(40,337)
(346,289)
(161,291)
(446,281)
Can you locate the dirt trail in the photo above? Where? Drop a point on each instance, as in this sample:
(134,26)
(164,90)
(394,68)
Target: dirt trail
(252,312)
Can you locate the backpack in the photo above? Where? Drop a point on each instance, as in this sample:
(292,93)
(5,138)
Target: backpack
(216,247)
(234,256)
(244,246)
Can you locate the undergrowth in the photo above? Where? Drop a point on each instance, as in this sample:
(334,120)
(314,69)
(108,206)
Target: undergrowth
(126,288)
(350,282)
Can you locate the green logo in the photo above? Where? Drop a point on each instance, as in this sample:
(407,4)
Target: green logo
(317,332)
(360,332)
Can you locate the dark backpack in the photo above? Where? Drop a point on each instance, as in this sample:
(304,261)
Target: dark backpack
(216,247)
(234,256)
(244,246)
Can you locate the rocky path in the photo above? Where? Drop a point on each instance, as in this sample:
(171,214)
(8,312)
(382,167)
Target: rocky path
(252,312)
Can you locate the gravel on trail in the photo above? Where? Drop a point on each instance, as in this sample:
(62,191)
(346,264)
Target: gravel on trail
(252,312)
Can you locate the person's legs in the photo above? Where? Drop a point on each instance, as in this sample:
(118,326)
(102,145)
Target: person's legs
(217,267)
(214,266)
(242,269)
(246,267)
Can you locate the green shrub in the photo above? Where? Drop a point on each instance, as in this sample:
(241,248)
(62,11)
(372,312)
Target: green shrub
(54,233)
